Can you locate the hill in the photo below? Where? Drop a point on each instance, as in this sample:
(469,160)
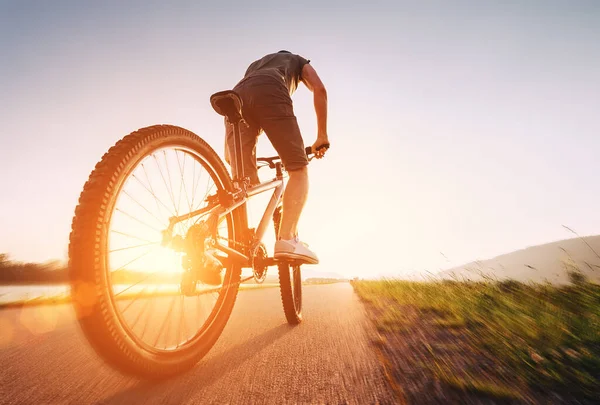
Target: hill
(548,262)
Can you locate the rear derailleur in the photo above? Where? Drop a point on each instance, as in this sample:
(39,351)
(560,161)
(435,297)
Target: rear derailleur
(200,262)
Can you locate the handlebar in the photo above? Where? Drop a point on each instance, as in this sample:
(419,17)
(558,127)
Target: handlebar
(271,160)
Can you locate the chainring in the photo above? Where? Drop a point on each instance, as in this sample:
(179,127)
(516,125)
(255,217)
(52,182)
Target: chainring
(259,263)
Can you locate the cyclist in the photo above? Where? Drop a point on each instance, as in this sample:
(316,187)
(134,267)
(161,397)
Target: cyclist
(265,91)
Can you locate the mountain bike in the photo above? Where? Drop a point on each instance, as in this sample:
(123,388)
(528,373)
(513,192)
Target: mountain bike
(158,243)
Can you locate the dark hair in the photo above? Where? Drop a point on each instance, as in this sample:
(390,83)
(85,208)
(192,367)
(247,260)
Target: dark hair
(284,52)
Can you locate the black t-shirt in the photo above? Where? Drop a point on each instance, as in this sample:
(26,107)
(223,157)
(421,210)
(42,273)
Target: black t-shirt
(285,68)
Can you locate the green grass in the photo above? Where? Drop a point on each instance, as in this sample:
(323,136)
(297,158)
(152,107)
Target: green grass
(482,388)
(547,336)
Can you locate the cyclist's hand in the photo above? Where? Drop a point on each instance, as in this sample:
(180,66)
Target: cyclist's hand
(321,141)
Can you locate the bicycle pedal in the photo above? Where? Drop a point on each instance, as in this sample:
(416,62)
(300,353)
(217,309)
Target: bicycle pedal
(290,262)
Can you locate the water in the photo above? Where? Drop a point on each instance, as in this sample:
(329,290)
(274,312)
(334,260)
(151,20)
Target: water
(18,293)
(12,293)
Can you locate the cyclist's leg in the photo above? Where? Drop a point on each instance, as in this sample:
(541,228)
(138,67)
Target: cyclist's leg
(281,127)
(294,198)
(272,110)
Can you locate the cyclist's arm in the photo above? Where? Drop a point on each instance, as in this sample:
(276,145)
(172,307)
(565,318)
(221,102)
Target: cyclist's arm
(311,79)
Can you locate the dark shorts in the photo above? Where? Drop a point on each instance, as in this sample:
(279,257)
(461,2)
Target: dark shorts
(267,107)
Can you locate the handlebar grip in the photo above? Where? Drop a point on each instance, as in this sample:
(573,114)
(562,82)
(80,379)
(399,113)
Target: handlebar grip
(308,149)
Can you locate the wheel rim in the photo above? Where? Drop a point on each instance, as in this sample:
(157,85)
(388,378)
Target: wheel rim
(145,277)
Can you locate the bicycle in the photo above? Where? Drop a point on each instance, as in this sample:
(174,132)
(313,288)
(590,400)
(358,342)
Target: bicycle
(109,281)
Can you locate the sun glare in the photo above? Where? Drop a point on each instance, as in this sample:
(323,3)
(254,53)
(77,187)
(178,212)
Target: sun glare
(168,183)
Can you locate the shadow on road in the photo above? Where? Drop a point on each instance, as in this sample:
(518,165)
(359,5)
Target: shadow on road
(206,373)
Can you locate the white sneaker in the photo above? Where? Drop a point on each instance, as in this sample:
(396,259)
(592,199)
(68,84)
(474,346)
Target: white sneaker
(294,249)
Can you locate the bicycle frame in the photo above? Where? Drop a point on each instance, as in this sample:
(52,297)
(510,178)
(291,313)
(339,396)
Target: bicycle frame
(240,182)
(226,202)
(278,186)
(221,208)
(219,211)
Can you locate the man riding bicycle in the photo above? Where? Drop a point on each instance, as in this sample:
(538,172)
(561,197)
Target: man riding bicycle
(265,91)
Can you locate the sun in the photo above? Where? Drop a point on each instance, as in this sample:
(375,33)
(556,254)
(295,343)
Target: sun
(137,247)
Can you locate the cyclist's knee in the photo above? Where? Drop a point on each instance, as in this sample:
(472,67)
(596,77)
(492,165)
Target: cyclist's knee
(299,171)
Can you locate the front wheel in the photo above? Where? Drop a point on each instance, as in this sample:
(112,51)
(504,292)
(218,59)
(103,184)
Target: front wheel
(131,290)
(290,284)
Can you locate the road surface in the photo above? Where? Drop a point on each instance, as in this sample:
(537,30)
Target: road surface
(259,359)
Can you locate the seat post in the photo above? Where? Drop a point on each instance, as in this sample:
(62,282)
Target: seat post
(239,179)
(238,175)
(229,104)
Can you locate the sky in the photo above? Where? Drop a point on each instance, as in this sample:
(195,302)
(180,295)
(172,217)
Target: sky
(459,130)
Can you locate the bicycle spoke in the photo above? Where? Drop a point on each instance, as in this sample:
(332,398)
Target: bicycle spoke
(151,191)
(132,301)
(156,200)
(170,182)
(164,181)
(167,319)
(194,192)
(137,283)
(138,220)
(170,323)
(149,315)
(204,199)
(189,222)
(134,247)
(194,185)
(182,184)
(204,308)
(181,301)
(140,314)
(209,188)
(137,258)
(161,222)
(187,197)
(131,236)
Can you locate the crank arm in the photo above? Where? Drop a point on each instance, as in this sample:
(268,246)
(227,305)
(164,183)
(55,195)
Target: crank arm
(233,254)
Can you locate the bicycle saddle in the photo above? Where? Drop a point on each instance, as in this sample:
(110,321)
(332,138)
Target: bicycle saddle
(228,104)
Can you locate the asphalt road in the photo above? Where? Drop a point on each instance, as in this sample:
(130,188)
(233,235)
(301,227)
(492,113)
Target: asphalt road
(259,359)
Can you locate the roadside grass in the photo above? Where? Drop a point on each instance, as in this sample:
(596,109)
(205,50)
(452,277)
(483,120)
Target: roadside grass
(475,386)
(547,337)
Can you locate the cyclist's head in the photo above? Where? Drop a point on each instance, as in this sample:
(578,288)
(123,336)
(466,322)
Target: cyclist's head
(284,52)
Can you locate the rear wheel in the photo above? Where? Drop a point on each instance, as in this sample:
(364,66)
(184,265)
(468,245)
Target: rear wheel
(290,284)
(134,297)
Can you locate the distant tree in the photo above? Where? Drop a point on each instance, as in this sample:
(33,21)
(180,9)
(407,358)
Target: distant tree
(4,260)
(52,271)
(53,265)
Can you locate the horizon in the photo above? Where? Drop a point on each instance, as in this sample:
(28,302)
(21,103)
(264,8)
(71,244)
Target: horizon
(459,132)
(415,276)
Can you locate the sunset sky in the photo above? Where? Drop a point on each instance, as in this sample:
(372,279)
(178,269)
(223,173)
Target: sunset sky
(470,129)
